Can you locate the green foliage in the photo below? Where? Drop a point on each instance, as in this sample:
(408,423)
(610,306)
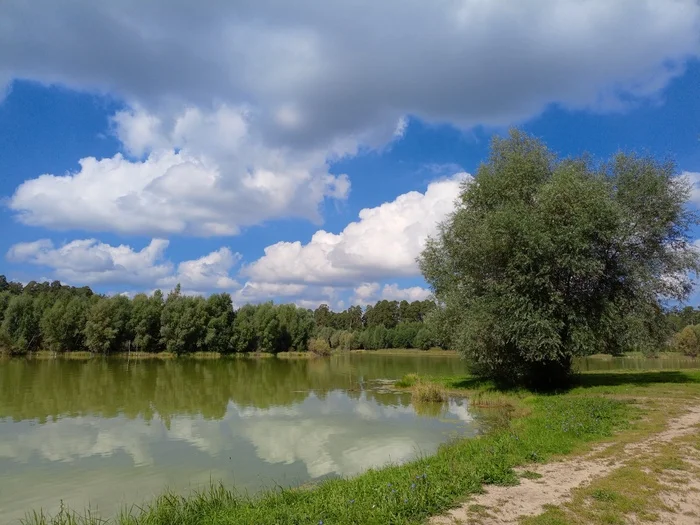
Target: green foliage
(244,338)
(319,347)
(183,323)
(145,321)
(63,324)
(61,318)
(687,341)
(268,329)
(106,324)
(20,325)
(547,259)
(219,328)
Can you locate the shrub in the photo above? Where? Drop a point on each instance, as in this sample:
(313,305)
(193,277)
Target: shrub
(407,381)
(319,347)
(687,341)
(428,393)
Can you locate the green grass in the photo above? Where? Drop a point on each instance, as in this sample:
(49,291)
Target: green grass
(403,494)
(407,381)
(428,393)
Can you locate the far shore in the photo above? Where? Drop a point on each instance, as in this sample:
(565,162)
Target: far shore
(47,354)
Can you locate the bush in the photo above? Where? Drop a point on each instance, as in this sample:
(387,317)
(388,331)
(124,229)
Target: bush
(687,341)
(424,339)
(407,381)
(428,393)
(319,347)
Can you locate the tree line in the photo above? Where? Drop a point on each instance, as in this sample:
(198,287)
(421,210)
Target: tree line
(60,318)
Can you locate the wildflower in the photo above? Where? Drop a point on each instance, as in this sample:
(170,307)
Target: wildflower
(413,485)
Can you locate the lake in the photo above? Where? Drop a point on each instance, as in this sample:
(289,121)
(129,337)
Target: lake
(107,432)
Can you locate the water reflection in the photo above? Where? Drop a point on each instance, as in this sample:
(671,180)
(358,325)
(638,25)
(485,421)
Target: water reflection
(96,432)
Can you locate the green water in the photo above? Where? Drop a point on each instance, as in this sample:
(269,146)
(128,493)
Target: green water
(106,433)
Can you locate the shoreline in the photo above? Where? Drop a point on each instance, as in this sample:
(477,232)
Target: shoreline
(611,407)
(84,355)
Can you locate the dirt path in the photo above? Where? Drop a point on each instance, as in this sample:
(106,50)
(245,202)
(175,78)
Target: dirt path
(507,505)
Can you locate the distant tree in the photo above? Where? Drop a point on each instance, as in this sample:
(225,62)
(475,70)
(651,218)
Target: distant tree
(296,326)
(63,325)
(5,297)
(404,334)
(323,316)
(424,339)
(219,330)
(183,323)
(268,329)
(105,325)
(384,313)
(145,321)
(354,318)
(546,259)
(20,325)
(244,337)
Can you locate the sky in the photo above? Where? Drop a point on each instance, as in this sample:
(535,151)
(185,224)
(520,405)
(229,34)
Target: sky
(304,151)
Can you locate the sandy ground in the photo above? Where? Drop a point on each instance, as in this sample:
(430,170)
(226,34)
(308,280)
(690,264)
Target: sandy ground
(507,505)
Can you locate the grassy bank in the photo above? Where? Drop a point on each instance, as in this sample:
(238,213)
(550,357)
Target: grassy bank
(541,427)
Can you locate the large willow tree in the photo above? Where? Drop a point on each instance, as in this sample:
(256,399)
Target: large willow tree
(545,259)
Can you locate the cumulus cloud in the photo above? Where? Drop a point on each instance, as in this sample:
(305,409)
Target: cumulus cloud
(693,179)
(370,293)
(320,70)
(91,262)
(203,174)
(234,110)
(383,243)
(88,261)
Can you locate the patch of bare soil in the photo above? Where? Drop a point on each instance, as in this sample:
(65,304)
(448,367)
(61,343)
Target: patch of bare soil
(507,505)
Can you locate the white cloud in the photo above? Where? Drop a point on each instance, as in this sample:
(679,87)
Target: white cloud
(370,293)
(204,174)
(91,262)
(693,179)
(323,70)
(383,243)
(241,106)
(211,272)
(392,292)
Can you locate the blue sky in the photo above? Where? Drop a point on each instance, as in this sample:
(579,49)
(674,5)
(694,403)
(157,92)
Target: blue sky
(233,147)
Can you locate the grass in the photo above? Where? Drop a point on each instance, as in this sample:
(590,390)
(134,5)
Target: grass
(428,393)
(399,494)
(407,381)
